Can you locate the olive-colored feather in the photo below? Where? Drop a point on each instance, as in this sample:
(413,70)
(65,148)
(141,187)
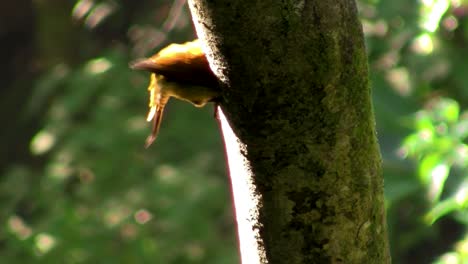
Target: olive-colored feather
(181,71)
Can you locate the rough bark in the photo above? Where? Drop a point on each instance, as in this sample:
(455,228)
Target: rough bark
(297,96)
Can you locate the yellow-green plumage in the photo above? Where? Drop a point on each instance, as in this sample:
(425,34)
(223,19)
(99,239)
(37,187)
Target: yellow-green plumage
(181,71)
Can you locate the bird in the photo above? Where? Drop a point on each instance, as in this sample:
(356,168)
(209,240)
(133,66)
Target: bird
(181,71)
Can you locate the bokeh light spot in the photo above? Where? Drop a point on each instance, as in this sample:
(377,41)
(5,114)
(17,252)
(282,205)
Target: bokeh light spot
(142,216)
(42,142)
(97,66)
(44,242)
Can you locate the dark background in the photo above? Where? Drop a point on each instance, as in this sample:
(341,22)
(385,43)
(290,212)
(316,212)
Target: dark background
(77,186)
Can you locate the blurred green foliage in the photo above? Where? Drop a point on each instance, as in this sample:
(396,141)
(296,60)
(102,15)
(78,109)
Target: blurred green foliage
(88,192)
(417,54)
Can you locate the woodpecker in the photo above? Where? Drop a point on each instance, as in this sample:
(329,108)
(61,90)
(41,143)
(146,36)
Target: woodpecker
(181,71)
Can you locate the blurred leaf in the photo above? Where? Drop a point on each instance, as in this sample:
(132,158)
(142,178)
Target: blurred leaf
(427,167)
(448,110)
(440,209)
(432,12)
(424,122)
(444,144)
(439,175)
(449,258)
(453,203)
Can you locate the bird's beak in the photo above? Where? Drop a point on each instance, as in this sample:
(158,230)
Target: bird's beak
(142,64)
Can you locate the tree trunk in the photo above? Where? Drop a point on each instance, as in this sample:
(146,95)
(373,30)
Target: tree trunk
(302,146)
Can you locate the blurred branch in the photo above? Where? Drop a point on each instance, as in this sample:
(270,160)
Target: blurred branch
(174,14)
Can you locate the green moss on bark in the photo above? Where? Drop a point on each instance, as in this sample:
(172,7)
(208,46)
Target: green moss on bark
(297,94)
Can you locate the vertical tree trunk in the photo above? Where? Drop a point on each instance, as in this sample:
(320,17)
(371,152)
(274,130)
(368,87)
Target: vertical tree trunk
(297,97)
